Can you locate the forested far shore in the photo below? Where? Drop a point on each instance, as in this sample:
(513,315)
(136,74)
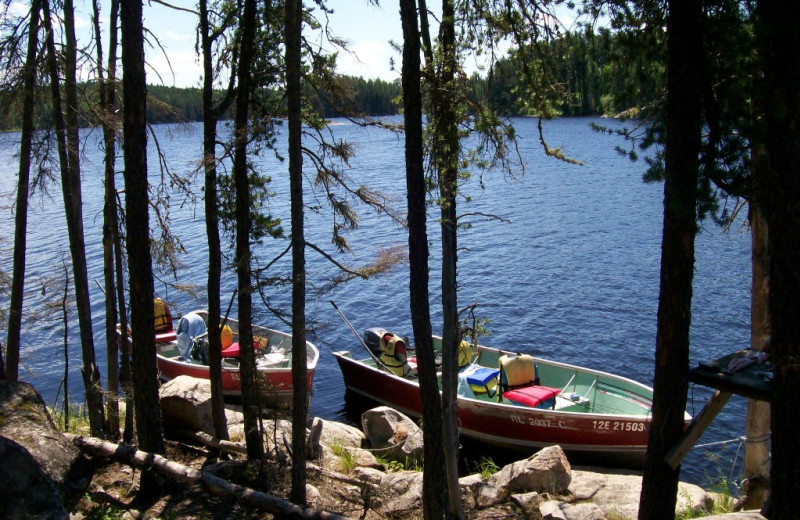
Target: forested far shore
(593,76)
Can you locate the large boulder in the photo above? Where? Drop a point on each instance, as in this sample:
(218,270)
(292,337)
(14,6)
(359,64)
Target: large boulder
(617,492)
(546,471)
(392,435)
(186,405)
(35,456)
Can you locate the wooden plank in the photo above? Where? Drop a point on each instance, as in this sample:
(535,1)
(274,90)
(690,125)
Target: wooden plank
(696,428)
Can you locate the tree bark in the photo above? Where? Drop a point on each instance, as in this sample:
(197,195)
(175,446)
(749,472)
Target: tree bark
(106,93)
(210,117)
(434,490)
(294,25)
(777,42)
(134,88)
(11,370)
(684,41)
(447,158)
(255,445)
(68,152)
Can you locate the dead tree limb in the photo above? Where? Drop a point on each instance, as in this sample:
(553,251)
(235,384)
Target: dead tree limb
(212,484)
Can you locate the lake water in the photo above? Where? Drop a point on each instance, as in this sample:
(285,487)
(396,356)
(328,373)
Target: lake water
(572,273)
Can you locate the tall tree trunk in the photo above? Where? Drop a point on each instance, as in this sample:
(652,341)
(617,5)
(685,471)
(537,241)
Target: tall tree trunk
(255,448)
(757,425)
(90,372)
(434,490)
(447,155)
(68,152)
(107,107)
(294,24)
(134,89)
(684,41)
(11,371)
(210,117)
(778,40)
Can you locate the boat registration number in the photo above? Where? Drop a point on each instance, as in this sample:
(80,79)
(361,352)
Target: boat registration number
(619,426)
(543,423)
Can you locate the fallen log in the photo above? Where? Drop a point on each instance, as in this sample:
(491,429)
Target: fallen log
(211,483)
(239,448)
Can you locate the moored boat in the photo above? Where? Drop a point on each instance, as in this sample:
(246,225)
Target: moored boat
(183,350)
(514,400)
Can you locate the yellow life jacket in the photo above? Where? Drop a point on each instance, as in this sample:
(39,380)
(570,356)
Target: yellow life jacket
(162,315)
(393,354)
(465,354)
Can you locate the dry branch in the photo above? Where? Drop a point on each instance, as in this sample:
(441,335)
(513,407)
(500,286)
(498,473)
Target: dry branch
(211,483)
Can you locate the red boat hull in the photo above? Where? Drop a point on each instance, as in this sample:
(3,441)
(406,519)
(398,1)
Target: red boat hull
(615,438)
(276,382)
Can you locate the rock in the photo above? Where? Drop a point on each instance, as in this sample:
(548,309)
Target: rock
(551,510)
(186,405)
(337,433)
(27,491)
(554,510)
(398,436)
(403,491)
(528,502)
(347,462)
(369,475)
(313,497)
(545,471)
(490,494)
(34,447)
(617,491)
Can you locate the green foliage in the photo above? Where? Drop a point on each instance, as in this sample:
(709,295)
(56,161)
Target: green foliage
(487,467)
(105,512)
(346,457)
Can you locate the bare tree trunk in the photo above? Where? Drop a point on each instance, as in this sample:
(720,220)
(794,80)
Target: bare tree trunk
(210,117)
(294,24)
(106,94)
(660,481)
(777,40)
(434,490)
(447,159)
(11,370)
(68,152)
(757,426)
(134,88)
(255,444)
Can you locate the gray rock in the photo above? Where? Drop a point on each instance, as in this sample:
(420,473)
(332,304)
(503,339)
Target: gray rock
(528,502)
(313,497)
(397,436)
(545,471)
(554,510)
(35,448)
(403,491)
(335,432)
(617,491)
(27,491)
(186,405)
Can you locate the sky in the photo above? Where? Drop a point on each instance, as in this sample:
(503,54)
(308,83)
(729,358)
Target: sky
(368,29)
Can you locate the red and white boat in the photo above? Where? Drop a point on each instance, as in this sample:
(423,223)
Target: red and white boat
(516,401)
(183,351)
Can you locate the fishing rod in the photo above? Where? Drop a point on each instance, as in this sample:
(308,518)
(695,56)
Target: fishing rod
(360,340)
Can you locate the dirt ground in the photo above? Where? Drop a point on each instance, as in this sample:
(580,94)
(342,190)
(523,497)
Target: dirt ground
(114,491)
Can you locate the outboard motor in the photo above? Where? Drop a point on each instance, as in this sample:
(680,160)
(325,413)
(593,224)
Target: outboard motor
(372,337)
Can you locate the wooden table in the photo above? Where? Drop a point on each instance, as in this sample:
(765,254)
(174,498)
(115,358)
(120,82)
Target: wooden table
(753,381)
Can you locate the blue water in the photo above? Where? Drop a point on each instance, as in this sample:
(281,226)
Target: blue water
(571,273)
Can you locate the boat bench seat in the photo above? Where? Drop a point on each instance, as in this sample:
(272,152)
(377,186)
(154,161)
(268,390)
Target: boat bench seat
(534,396)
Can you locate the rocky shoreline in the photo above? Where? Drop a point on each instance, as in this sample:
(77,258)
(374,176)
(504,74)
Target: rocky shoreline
(351,472)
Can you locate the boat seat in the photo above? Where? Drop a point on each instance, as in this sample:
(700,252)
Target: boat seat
(533,396)
(482,380)
(519,383)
